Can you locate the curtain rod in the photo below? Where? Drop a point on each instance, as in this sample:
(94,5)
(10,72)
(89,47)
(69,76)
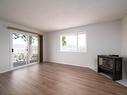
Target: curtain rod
(18,29)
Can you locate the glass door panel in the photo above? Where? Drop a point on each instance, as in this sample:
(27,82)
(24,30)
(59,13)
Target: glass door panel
(34,49)
(19,49)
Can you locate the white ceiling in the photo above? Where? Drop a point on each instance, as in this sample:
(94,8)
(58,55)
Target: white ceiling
(52,15)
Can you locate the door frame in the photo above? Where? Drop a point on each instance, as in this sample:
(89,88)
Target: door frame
(11,46)
(30,34)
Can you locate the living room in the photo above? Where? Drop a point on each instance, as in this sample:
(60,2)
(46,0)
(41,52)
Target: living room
(52,47)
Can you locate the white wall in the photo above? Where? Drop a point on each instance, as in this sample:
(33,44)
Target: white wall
(124,45)
(103,38)
(5,44)
(4,49)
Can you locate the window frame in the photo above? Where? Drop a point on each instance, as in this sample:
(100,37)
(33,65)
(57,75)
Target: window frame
(77,45)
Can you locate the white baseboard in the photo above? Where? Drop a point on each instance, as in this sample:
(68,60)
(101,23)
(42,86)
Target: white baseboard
(70,64)
(5,71)
(17,68)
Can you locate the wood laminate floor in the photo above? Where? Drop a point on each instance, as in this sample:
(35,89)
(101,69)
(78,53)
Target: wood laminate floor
(56,79)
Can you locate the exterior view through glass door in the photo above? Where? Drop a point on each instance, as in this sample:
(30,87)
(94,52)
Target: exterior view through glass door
(25,49)
(33,49)
(19,49)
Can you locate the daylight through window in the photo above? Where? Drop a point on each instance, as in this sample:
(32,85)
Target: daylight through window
(75,42)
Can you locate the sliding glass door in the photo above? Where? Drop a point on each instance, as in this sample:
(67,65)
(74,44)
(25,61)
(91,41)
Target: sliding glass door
(25,49)
(19,49)
(33,49)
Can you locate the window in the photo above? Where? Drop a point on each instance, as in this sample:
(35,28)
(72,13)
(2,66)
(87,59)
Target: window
(75,42)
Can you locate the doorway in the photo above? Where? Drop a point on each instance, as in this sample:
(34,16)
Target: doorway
(24,49)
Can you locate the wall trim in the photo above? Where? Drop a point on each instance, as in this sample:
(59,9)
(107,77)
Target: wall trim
(22,30)
(27,65)
(69,64)
(4,71)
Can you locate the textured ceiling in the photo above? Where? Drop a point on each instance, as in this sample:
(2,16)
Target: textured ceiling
(52,15)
